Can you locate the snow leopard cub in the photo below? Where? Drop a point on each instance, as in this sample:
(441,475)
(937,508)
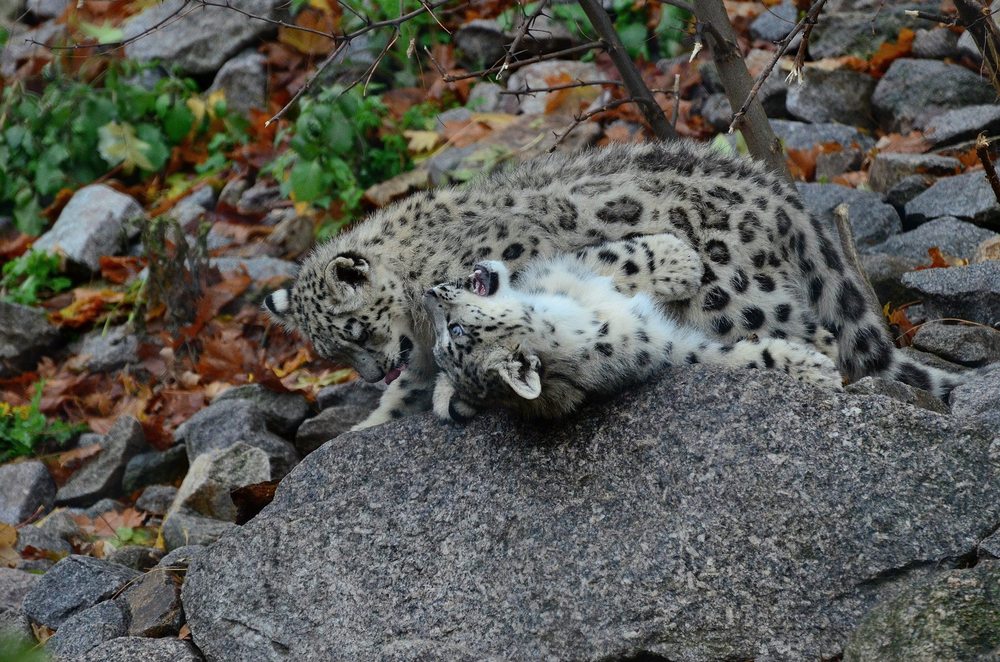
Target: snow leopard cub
(563,332)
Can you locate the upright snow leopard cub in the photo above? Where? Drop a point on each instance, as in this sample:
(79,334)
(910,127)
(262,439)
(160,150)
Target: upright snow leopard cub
(765,267)
(563,331)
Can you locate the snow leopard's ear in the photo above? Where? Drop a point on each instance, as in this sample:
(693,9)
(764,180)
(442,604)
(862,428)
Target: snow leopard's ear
(520,371)
(277,304)
(346,275)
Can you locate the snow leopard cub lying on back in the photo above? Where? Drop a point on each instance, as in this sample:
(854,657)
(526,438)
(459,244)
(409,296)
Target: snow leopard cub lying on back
(563,332)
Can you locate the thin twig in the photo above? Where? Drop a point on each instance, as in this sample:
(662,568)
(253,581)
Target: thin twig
(451,78)
(850,250)
(308,82)
(936,18)
(677,101)
(175,16)
(565,86)
(581,118)
(983,150)
(520,33)
(808,19)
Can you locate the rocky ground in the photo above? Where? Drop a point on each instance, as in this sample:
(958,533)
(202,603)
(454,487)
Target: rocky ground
(709,515)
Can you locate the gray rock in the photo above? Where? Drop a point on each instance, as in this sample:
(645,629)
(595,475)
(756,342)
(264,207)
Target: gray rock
(963,124)
(485,97)
(343,406)
(110,350)
(143,649)
(86,630)
(154,468)
(799,135)
(831,164)
(25,336)
(872,221)
(136,557)
(283,412)
(259,199)
(534,76)
(258,268)
(243,80)
(833,96)
(906,189)
(14,585)
(913,91)
(933,360)
(224,423)
(898,391)
(935,44)
(47,8)
(978,398)
(954,237)
(967,196)
(72,585)
(885,271)
(191,208)
(972,346)
(717,111)
(205,490)
(990,548)
(890,168)
(41,540)
(482,41)
(201,40)
(102,475)
(183,530)
(459,114)
(153,606)
(970,293)
(156,499)
(676,521)
(954,615)
(180,557)
(60,523)
(25,487)
(96,221)
(856,32)
(14,628)
(97,509)
(774,23)
(22,44)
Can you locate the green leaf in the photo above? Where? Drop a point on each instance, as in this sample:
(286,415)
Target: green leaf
(178,122)
(158,151)
(308,181)
(120,145)
(633,36)
(104,34)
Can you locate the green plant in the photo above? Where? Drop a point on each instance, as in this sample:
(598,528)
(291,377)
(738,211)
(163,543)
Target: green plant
(23,428)
(33,273)
(74,132)
(16,648)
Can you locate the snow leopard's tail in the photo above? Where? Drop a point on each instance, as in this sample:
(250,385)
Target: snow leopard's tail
(834,288)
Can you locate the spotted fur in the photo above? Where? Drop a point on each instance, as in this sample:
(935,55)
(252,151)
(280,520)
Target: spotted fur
(563,332)
(766,267)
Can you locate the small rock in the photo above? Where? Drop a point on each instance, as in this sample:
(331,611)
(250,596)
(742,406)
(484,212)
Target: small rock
(954,237)
(356,393)
(86,630)
(14,585)
(485,97)
(953,615)
(44,9)
(774,23)
(74,584)
(96,221)
(183,530)
(978,398)
(961,124)
(969,293)
(24,336)
(205,490)
(258,268)
(971,346)
(137,557)
(143,649)
(14,628)
(890,168)
(872,220)
(199,41)
(190,209)
(717,111)
(110,350)
(800,135)
(41,540)
(838,95)
(180,557)
(259,199)
(102,475)
(914,91)
(935,44)
(968,197)
(482,41)
(230,194)
(22,44)
(330,423)
(225,423)
(154,468)
(60,523)
(535,76)
(907,189)
(859,33)
(156,499)
(898,391)
(25,487)
(884,272)
(458,115)
(243,80)
(831,164)
(153,606)
(292,235)
(283,412)
(988,250)
(932,360)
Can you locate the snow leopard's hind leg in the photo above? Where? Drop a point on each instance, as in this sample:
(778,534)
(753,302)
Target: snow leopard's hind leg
(659,264)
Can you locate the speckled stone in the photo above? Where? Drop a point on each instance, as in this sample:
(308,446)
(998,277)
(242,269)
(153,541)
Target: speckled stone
(714,514)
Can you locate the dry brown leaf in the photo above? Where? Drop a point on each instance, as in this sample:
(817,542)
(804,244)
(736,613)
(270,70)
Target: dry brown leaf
(106,524)
(309,43)
(9,558)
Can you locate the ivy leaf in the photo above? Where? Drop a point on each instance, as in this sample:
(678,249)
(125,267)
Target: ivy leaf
(308,181)
(178,122)
(118,144)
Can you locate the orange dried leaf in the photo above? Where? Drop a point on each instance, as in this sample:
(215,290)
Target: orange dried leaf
(937,259)
(802,163)
(306,40)
(213,300)
(890,51)
(902,327)
(88,305)
(120,269)
(62,465)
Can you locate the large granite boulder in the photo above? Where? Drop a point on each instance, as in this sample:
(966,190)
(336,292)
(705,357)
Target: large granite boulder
(711,515)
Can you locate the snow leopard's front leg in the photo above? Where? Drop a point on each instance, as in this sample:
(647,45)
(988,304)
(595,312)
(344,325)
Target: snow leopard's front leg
(447,405)
(408,394)
(660,264)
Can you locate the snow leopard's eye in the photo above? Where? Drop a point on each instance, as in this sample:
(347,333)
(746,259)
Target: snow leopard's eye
(456,330)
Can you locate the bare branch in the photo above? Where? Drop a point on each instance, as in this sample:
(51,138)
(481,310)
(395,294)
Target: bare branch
(677,101)
(308,82)
(520,33)
(936,18)
(983,151)
(581,118)
(977,20)
(582,48)
(565,86)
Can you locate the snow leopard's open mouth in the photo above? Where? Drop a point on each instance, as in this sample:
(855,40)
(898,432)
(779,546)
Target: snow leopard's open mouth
(405,347)
(484,281)
(394,374)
